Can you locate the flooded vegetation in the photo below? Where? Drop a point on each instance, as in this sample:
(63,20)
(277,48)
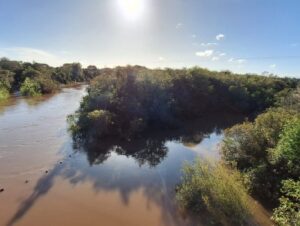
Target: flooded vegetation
(149,113)
(121,154)
(129,102)
(46,179)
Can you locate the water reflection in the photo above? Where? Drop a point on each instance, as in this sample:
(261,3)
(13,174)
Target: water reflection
(30,102)
(150,164)
(151,148)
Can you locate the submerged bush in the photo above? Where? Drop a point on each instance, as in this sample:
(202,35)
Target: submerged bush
(215,189)
(288,212)
(4,93)
(30,87)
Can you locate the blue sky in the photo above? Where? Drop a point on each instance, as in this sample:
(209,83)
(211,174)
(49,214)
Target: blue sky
(238,35)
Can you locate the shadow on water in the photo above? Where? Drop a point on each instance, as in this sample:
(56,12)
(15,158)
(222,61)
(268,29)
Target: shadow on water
(43,185)
(151,163)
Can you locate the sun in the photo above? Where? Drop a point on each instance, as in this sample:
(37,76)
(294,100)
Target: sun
(132,9)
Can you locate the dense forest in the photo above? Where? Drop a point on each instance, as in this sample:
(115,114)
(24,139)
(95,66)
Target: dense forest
(126,101)
(33,79)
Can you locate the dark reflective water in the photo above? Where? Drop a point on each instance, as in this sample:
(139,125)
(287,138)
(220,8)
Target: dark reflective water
(48,182)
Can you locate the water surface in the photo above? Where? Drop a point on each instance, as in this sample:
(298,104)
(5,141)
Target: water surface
(48,182)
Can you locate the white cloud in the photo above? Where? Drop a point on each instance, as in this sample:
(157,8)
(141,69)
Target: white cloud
(206,53)
(273,66)
(240,61)
(222,54)
(219,37)
(215,58)
(209,44)
(161,58)
(237,61)
(179,25)
(194,36)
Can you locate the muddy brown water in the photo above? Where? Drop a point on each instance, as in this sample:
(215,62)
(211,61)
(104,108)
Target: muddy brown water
(48,182)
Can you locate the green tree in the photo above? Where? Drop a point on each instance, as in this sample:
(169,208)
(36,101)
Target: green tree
(287,151)
(30,87)
(288,212)
(250,148)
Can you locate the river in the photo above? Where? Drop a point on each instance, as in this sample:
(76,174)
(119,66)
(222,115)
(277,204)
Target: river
(47,181)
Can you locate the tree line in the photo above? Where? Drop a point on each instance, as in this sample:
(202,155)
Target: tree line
(126,101)
(33,79)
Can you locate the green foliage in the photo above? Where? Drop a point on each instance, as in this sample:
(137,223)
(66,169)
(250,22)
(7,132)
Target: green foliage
(288,212)
(13,74)
(47,84)
(249,147)
(291,99)
(30,87)
(10,65)
(215,189)
(267,152)
(6,79)
(138,98)
(4,93)
(69,73)
(288,148)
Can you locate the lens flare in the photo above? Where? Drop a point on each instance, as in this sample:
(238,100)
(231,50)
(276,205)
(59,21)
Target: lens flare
(132,9)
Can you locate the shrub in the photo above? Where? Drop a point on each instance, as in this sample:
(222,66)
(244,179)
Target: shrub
(288,148)
(6,79)
(251,147)
(215,189)
(4,93)
(30,87)
(288,212)
(47,85)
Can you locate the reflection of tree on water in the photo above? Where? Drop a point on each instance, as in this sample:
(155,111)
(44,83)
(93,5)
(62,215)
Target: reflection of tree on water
(30,102)
(157,182)
(151,148)
(145,151)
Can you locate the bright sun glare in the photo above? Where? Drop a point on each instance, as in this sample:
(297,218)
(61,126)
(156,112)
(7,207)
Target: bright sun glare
(132,9)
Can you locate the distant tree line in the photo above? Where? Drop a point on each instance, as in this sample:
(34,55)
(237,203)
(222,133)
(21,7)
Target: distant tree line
(33,79)
(126,101)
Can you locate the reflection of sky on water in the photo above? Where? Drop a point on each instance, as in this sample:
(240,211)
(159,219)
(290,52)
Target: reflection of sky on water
(152,163)
(209,147)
